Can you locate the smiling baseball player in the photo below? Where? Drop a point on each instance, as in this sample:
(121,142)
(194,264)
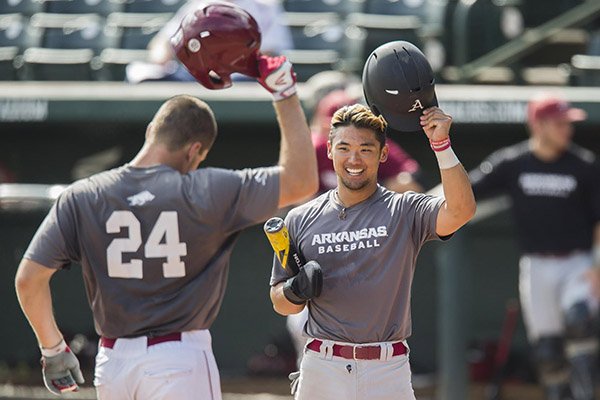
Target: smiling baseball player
(362,242)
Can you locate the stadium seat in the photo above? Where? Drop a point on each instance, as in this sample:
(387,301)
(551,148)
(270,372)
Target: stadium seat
(316,31)
(536,12)
(546,75)
(73,31)
(153,6)
(57,64)
(102,7)
(111,64)
(310,62)
(477,28)
(337,6)
(559,49)
(366,32)
(15,31)
(395,7)
(585,70)
(7,69)
(136,29)
(27,7)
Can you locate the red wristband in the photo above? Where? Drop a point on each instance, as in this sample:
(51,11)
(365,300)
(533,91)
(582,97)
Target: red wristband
(440,145)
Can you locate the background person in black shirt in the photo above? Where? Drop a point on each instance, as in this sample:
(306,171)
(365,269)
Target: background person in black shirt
(554,186)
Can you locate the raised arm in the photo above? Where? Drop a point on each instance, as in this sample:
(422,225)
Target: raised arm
(297,158)
(459,206)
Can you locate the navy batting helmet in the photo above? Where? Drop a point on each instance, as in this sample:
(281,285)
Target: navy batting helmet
(217,40)
(398,83)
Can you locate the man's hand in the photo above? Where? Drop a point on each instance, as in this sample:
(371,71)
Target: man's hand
(436,124)
(277,76)
(61,372)
(305,285)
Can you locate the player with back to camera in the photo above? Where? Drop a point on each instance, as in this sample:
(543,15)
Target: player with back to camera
(362,240)
(154,238)
(554,186)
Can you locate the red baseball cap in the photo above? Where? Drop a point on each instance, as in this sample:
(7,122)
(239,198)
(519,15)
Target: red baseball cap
(553,107)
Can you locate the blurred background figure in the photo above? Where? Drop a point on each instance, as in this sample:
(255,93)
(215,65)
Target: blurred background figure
(163,66)
(554,186)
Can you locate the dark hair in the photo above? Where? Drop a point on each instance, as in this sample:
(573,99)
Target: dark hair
(358,116)
(184,119)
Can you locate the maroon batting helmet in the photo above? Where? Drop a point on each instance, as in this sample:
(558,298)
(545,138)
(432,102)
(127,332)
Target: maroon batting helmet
(217,40)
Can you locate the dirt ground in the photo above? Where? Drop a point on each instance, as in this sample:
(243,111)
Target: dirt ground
(266,389)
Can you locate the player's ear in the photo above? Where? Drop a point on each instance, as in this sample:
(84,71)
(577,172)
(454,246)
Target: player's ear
(195,149)
(203,154)
(384,154)
(329,155)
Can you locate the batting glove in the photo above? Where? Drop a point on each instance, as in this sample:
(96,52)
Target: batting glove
(60,369)
(305,285)
(277,76)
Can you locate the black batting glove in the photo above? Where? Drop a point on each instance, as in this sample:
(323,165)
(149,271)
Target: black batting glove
(61,371)
(305,285)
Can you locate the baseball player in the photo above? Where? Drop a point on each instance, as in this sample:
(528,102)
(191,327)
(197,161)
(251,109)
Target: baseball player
(555,190)
(397,174)
(362,240)
(154,238)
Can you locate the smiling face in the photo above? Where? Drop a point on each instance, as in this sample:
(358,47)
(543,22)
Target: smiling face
(356,154)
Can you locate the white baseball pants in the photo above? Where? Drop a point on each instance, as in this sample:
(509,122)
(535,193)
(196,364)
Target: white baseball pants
(549,286)
(327,377)
(173,370)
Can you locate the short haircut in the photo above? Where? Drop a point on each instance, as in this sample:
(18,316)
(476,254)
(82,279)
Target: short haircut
(358,116)
(182,120)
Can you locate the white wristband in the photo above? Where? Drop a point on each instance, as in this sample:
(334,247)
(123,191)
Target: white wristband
(52,351)
(446,158)
(284,94)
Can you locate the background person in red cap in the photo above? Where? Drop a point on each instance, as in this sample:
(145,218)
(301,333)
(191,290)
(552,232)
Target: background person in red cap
(554,186)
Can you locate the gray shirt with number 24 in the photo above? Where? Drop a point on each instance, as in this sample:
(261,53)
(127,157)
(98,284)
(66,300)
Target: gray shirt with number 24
(368,254)
(154,245)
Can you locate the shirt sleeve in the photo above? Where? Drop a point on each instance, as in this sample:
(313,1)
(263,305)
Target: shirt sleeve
(245,197)
(55,245)
(421,212)
(489,179)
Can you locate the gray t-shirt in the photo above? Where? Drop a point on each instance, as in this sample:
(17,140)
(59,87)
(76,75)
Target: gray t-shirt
(154,244)
(368,254)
